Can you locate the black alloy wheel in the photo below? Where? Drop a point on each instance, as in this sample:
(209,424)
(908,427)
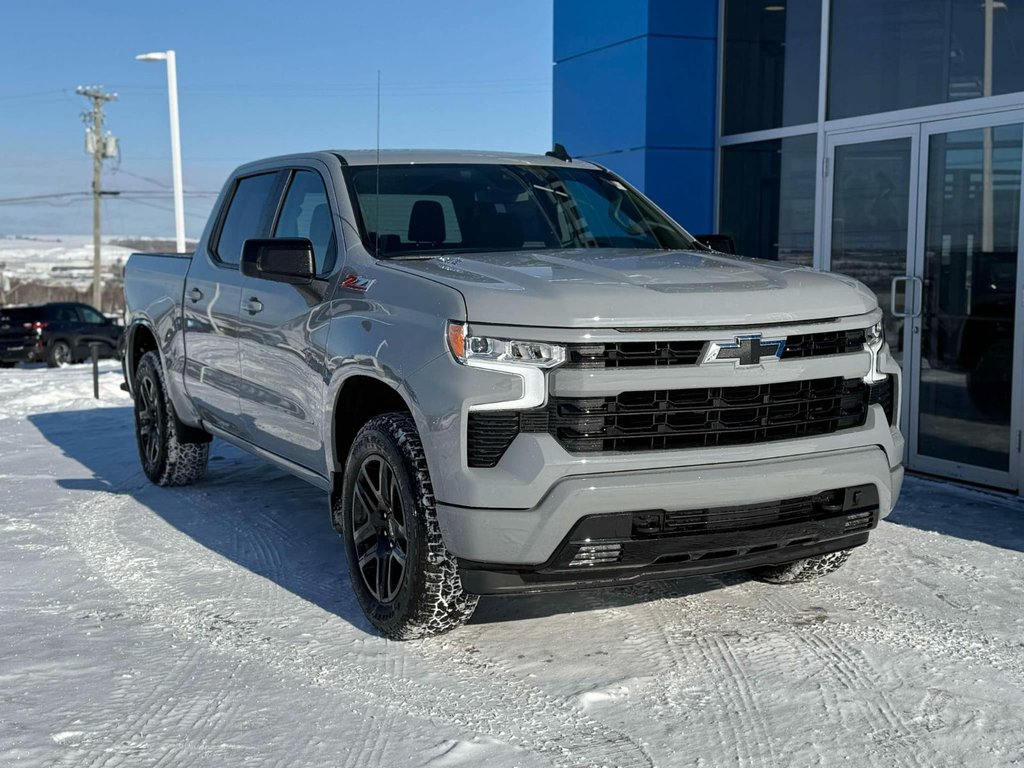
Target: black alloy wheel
(150,422)
(378,529)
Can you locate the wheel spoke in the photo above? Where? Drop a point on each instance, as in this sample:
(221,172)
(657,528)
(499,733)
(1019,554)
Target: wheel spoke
(384,578)
(398,554)
(364,532)
(366,483)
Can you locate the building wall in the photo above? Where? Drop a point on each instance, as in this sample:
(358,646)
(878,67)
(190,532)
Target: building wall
(635,90)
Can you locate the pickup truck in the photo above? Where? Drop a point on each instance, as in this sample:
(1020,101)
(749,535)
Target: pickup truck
(514,373)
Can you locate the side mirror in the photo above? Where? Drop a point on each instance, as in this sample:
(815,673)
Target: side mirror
(283,260)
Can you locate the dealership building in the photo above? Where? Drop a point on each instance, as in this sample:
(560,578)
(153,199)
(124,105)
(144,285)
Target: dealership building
(877,138)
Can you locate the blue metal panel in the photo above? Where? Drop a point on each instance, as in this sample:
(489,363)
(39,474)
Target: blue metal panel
(585,25)
(682,182)
(643,106)
(681,92)
(691,18)
(600,100)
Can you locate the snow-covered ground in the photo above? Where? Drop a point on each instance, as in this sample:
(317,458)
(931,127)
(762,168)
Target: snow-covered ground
(214,626)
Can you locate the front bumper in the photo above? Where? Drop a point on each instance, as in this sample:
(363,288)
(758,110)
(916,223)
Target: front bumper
(526,538)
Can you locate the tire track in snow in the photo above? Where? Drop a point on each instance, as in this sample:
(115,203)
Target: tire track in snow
(513,713)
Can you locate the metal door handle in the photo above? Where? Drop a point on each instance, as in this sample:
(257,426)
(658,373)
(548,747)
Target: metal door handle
(195,294)
(253,305)
(910,297)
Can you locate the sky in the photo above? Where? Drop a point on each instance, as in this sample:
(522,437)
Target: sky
(255,79)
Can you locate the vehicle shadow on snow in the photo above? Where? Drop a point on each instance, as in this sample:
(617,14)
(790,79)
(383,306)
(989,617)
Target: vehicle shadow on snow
(956,510)
(277,526)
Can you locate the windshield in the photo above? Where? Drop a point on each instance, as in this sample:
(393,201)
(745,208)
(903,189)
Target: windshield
(432,209)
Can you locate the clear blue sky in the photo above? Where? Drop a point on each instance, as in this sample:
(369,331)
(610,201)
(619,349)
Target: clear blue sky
(255,79)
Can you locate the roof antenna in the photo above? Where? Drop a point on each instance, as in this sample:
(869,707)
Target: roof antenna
(558,152)
(376,223)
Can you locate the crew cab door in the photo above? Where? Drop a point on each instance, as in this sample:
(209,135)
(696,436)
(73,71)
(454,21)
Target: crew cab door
(283,331)
(213,289)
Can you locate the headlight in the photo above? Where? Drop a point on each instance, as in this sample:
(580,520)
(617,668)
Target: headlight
(471,350)
(875,335)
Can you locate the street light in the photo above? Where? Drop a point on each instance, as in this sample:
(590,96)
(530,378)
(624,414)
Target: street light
(172,98)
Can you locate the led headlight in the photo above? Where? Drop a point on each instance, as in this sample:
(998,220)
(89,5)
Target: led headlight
(874,341)
(526,360)
(469,349)
(875,335)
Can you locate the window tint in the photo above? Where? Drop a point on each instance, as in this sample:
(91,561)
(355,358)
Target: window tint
(767,198)
(91,316)
(888,55)
(770,64)
(482,207)
(306,213)
(60,313)
(248,216)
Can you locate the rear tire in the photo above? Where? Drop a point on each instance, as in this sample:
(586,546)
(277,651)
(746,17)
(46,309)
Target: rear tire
(58,354)
(406,581)
(166,459)
(798,571)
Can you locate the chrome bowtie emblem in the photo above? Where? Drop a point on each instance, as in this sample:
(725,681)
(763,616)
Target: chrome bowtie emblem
(745,350)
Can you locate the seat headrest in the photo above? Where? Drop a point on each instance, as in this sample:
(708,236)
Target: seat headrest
(426,222)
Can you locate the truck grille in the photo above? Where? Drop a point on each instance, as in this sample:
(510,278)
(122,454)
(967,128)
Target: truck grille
(706,417)
(639,354)
(684,418)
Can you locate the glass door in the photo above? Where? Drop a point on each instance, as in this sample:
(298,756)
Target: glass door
(965,379)
(870,195)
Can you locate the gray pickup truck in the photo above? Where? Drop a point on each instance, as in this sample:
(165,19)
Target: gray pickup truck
(514,373)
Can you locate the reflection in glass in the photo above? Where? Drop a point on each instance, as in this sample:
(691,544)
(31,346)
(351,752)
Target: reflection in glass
(870,208)
(770,64)
(896,54)
(767,198)
(970,276)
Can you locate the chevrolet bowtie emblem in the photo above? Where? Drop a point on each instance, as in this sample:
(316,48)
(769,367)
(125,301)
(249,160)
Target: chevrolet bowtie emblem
(745,350)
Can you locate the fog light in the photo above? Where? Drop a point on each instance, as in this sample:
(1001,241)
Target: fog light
(596,554)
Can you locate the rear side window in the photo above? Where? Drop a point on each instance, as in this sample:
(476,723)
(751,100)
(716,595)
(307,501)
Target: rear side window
(307,213)
(249,215)
(60,313)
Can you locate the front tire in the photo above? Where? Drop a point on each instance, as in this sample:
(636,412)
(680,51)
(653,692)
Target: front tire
(406,581)
(166,459)
(807,569)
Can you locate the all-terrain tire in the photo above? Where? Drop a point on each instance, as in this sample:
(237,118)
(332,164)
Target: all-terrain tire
(166,459)
(58,353)
(798,571)
(428,598)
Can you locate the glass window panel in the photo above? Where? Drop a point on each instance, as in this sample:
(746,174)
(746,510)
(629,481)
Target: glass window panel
(770,65)
(897,54)
(870,220)
(767,198)
(970,278)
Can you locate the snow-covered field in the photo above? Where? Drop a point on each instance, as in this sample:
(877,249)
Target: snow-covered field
(214,626)
(56,259)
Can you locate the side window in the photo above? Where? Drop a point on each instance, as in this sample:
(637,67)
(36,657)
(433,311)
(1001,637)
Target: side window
(91,316)
(307,213)
(249,215)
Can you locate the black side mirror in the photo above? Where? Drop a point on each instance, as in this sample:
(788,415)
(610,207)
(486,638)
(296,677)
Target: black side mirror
(720,243)
(283,260)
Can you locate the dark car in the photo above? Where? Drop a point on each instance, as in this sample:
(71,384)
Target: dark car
(59,333)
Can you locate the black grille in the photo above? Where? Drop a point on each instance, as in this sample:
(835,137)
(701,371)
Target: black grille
(660,353)
(713,416)
(490,434)
(883,395)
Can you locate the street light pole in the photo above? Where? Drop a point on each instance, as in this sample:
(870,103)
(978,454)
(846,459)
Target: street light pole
(172,103)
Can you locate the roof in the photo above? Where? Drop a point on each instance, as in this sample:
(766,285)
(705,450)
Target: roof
(404,156)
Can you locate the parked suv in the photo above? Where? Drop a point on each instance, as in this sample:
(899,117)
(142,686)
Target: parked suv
(59,333)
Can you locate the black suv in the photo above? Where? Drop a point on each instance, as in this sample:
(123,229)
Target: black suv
(59,333)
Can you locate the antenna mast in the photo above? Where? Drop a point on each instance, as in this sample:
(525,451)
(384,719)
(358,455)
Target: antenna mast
(376,206)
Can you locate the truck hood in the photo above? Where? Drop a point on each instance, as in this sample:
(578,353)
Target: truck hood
(613,287)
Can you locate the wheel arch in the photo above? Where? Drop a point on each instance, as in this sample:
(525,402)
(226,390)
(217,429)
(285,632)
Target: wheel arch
(359,398)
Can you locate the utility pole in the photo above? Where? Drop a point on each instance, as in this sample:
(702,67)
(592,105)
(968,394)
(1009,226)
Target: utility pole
(100,147)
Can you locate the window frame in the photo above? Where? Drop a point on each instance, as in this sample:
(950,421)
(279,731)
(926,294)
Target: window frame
(289,178)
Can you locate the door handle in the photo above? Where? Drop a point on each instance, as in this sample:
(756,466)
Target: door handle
(911,297)
(253,305)
(195,295)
